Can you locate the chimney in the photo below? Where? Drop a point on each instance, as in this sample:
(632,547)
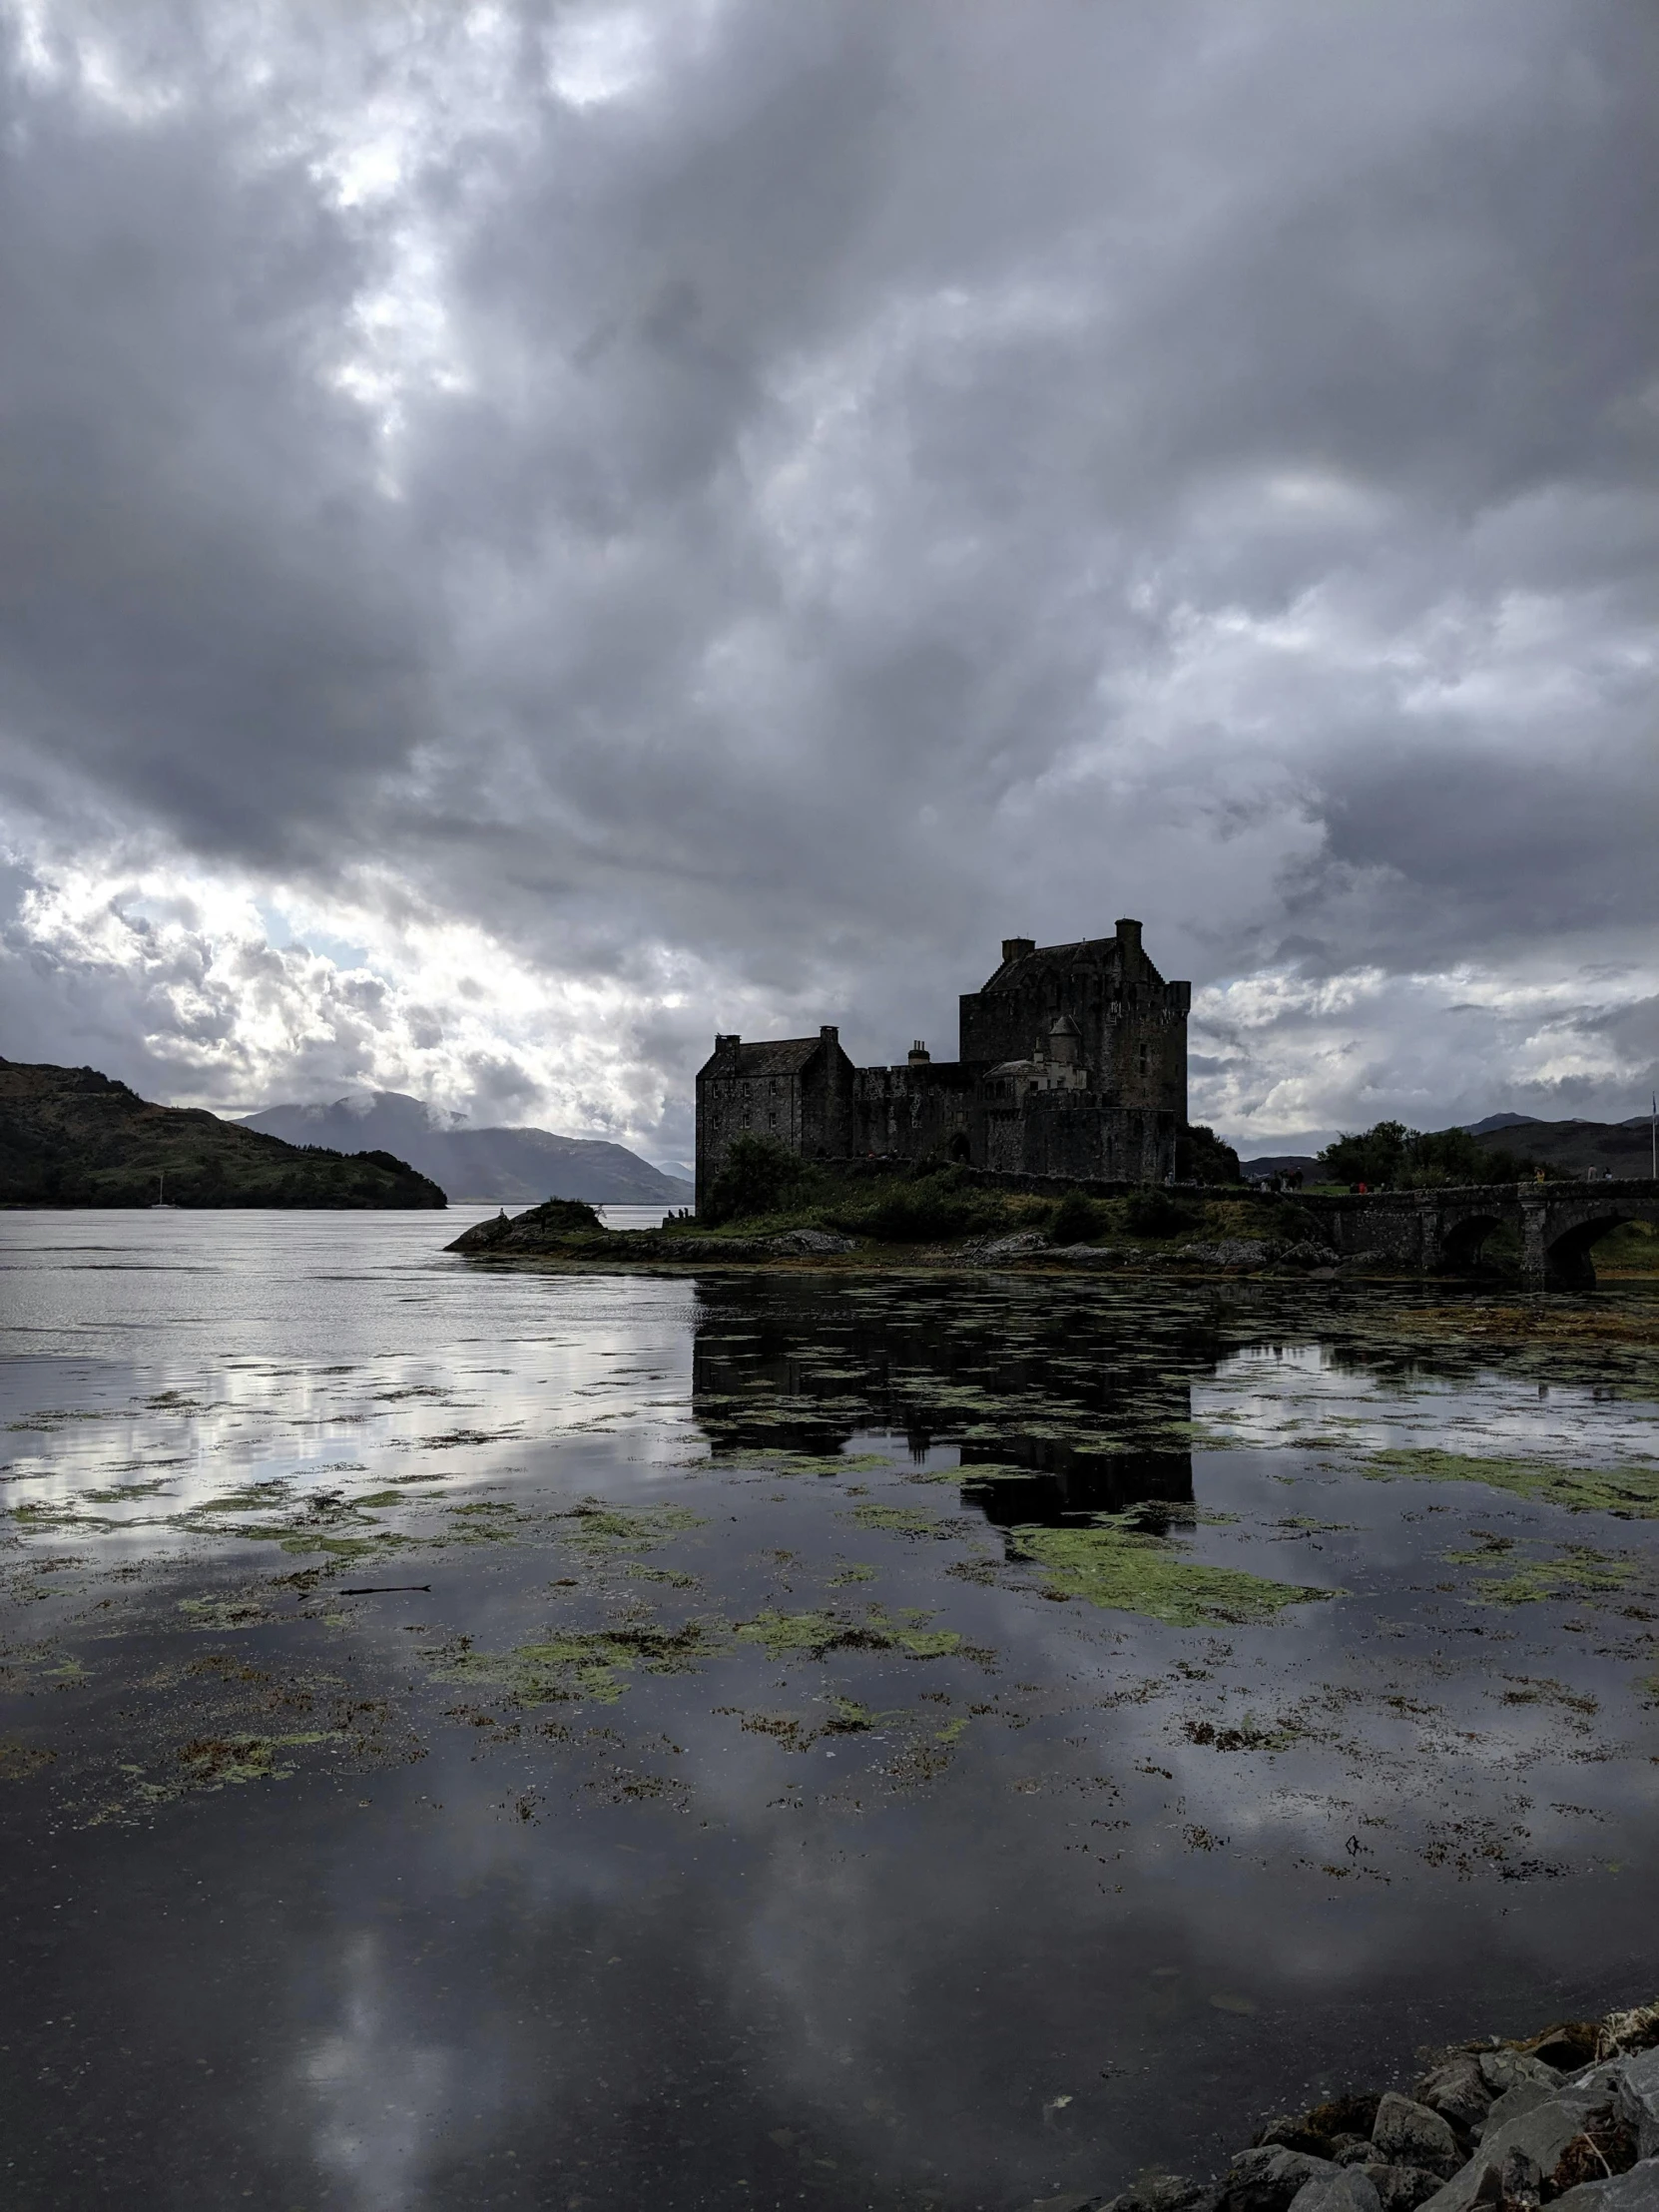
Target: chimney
(726,1047)
(919,1054)
(1016,949)
(829,1033)
(1129,940)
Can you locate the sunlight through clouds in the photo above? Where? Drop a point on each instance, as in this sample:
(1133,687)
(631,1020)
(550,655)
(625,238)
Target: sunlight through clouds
(609,525)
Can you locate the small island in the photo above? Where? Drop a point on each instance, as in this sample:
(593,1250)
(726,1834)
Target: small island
(74,1137)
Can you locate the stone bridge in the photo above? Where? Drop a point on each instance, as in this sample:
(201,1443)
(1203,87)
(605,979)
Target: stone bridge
(1445,1230)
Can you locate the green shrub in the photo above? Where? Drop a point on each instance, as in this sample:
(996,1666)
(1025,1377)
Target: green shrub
(1076,1220)
(564,1212)
(760,1176)
(925,1212)
(1200,1157)
(1152,1212)
(928,1205)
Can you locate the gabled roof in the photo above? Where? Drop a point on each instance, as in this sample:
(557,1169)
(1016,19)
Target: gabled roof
(777,1057)
(1087,952)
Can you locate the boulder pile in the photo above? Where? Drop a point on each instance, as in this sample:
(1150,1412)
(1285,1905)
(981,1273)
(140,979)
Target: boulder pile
(1568,2117)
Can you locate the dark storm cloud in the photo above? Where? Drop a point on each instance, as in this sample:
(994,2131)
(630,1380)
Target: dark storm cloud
(834,483)
(200,612)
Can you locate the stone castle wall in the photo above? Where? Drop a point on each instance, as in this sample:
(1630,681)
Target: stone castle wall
(1073,1064)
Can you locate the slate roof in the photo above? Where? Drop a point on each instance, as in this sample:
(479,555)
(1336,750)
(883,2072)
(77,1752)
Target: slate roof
(777,1057)
(1057,955)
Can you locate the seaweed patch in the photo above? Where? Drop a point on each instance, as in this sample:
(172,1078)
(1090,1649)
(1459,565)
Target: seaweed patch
(1631,1492)
(1127,1571)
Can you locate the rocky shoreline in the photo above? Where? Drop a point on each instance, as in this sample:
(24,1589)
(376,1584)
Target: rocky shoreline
(547,1233)
(1566,2117)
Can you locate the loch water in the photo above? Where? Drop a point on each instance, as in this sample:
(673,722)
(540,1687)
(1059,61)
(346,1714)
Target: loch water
(475,1738)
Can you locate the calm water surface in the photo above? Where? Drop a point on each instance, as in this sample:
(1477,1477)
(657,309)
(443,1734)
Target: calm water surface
(486,1739)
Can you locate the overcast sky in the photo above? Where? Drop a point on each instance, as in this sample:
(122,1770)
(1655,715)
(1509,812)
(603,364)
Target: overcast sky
(531,534)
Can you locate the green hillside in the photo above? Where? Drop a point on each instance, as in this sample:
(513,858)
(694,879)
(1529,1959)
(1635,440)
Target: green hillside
(72,1137)
(1622,1149)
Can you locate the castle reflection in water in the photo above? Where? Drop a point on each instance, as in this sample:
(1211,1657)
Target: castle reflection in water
(1018,1377)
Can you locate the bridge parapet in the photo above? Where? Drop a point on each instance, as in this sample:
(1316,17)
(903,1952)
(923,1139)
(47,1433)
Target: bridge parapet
(1559,1224)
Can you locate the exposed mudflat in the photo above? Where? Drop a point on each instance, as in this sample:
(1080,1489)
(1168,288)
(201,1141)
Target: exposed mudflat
(476,1737)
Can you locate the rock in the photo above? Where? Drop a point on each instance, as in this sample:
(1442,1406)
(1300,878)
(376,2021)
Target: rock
(1068,2201)
(682,1247)
(1292,2131)
(1402,2188)
(1635,2191)
(1513,2103)
(1018,1247)
(1410,2134)
(1544,2133)
(483,1235)
(1457,2090)
(1520,2183)
(1478,2182)
(1266,2180)
(1342,2189)
(1304,1253)
(1230,1252)
(810,1241)
(1638,2100)
(1567,2045)
(1611,2070)
(1325,2127)
(1501,2069)
(1546,2130)
(1161,2193)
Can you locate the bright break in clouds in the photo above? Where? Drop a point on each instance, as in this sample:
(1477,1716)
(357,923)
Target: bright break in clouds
(531,534)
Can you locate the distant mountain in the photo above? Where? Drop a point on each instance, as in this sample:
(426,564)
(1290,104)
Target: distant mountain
(1620,1147)
(72,1137)
(1279,1163)
(511,1165)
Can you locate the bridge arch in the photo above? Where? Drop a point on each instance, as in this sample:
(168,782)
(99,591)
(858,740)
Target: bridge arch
(1568,1265)
(1463,1240)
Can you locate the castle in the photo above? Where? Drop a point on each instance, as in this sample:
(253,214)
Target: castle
(1072,1062)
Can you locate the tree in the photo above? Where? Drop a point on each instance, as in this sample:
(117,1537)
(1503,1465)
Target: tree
(759,1176)
(1200,1157)
(1389,1156)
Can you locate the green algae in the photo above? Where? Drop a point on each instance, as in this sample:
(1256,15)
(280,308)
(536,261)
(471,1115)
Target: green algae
(580,1663)
(603,1532)
(893,1521)
(815,1634)
(19,1761)
(216,1762)
(1631,1492)
(1576,1572)
(734,1459)
(1127,1571)
(52,1520)
(224,1612)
